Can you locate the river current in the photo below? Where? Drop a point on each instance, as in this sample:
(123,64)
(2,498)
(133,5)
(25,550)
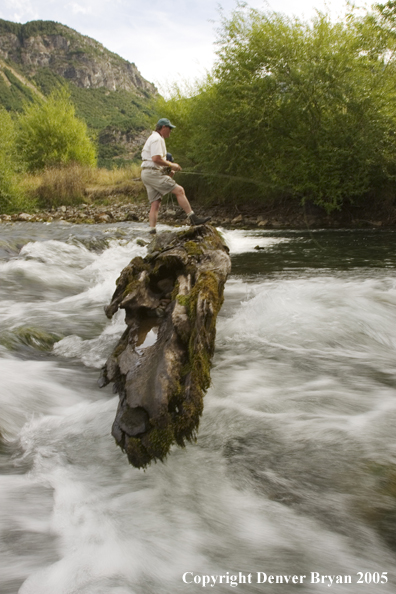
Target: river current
(293,472)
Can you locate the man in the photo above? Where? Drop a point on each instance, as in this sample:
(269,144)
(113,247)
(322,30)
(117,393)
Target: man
(155,178)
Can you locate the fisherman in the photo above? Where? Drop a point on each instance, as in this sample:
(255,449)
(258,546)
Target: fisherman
(154,175)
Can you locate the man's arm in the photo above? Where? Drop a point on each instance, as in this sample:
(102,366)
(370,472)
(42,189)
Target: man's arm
(158,160)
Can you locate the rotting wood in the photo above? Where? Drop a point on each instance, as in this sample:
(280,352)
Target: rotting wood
(161,365)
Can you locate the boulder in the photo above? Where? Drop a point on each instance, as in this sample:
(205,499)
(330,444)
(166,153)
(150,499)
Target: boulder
(24,216)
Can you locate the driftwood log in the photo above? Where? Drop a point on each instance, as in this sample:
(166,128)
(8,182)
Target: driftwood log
(161,365)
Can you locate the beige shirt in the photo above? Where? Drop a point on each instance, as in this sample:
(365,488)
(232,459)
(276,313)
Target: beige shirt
(155,145)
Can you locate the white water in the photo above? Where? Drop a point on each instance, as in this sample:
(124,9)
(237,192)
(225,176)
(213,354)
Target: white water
(287,475)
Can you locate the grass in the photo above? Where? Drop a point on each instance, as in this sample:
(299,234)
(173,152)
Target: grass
(114,177)
(75,184)
(63,186)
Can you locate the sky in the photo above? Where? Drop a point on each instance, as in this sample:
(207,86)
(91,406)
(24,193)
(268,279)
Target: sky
(168,40)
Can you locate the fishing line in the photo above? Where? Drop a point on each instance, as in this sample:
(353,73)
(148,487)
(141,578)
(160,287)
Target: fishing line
(253,181)
(224,175)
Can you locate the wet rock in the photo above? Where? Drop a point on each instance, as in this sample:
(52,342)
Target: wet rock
(24,216)
(103,218)
(161,366)
(131,216)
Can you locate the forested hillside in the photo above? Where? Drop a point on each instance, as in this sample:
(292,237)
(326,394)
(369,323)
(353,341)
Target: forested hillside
(108,92)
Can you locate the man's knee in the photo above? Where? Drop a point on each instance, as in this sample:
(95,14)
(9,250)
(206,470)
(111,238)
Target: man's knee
(178,190)
(156,204)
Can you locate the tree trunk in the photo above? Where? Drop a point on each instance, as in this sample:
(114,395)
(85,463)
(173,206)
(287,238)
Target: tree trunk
(161,365)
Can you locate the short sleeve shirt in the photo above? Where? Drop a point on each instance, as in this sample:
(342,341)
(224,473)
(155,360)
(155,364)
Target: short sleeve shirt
(155,145)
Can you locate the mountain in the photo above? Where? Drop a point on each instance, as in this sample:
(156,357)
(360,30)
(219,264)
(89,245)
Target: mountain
(109,92)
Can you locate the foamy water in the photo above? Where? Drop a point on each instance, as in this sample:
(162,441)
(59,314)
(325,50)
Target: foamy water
(293,467)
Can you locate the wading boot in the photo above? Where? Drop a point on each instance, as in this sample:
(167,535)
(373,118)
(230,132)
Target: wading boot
(195,220)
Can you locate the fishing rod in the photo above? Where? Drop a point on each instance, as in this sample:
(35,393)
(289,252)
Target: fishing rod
(207,174)
(239,178)
(169,157)
(224,175)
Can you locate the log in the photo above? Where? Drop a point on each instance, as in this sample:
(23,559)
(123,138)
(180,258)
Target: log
(161,365)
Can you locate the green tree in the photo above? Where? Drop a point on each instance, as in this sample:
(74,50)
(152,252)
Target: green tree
(9,194)
(49,134)
(303,110)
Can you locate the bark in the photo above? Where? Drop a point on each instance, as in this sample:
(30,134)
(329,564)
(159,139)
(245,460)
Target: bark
(161,365)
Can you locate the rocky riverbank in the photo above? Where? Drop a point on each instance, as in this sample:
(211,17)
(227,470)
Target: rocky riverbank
(287,216)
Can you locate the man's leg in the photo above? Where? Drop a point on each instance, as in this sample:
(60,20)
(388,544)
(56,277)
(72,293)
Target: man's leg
(153,214)
(181,198)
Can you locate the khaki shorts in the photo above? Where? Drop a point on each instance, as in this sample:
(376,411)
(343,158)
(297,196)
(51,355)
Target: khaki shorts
(157,183)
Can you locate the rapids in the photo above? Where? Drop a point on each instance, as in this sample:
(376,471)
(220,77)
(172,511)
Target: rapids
(294,468)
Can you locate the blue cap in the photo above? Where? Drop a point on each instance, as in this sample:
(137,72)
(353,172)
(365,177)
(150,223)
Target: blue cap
(165,122)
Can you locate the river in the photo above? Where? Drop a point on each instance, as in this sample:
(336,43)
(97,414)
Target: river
(293,472)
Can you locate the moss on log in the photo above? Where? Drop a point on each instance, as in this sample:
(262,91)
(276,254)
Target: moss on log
(161,365)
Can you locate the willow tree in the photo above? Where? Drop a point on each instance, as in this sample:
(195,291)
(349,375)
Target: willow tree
(302,109)
(9,194)
(50,134)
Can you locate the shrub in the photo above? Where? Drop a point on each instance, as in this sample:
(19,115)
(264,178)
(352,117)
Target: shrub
(305,110)
(63,185)
(10,196)
(50,135)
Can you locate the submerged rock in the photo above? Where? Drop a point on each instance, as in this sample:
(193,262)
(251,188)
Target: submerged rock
(161,365)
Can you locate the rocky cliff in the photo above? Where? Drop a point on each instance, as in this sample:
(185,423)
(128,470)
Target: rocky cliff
(75,57)
(109,92)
